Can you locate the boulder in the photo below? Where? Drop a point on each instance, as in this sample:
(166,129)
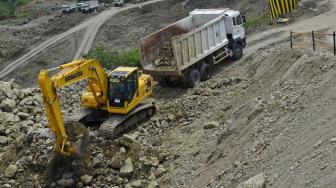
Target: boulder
(136,183)
(3,140)
(6,117)
(8,105)
(98,159)
(127,169)
(66,182)
(258,181)
(23,115)
(153,184)
(119,158)
(11,171)
(160,170)
(129,141)
(151,161)
(163,156)
(86,179)
(211,125)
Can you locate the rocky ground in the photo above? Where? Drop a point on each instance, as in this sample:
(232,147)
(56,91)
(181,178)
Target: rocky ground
(268,117)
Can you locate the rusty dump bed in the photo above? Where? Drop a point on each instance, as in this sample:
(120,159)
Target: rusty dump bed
(190,40)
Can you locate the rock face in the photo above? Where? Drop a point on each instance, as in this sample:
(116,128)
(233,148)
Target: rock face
(258,181)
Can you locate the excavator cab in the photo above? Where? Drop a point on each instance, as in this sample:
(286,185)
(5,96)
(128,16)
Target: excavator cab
(122,88)
(125,85)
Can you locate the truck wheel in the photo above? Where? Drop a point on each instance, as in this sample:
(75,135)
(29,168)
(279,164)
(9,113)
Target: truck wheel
(206,72)
(237,52)
(194,78)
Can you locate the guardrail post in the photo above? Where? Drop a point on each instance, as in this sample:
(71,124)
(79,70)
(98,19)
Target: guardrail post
(291,39)
(334,35)
(313,37)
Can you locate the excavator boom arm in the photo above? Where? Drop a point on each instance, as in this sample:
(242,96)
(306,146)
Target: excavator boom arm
(69,74)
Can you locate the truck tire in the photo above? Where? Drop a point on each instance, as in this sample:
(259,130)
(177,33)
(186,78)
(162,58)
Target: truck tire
(237,52)
(206,72)
(194,78)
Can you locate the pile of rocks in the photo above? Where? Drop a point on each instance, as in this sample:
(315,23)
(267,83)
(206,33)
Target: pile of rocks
(26,147)
(166,55)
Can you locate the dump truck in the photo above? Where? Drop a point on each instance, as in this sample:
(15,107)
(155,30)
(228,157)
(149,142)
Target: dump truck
(118,3)
(79,6)
(89,6)
(186,51)
(68,8)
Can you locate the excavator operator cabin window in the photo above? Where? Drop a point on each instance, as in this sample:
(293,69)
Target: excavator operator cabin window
(117,91)
(132,83)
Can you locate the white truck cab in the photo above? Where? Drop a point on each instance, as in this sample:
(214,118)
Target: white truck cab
(118,3)
(234,24)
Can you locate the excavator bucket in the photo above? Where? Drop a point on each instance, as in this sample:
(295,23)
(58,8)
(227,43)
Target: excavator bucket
(78,134)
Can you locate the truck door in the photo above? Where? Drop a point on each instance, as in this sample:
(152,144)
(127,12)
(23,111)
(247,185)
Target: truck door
(238,30)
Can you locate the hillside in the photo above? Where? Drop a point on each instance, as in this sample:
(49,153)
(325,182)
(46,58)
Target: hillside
(275,118)
(267,120)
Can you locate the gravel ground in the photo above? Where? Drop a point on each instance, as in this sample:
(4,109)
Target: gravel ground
(271,115)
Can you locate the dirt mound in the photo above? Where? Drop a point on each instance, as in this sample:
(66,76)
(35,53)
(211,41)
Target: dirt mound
(166,55)
(271,113)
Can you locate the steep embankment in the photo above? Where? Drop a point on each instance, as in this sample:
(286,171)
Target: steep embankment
(270,114)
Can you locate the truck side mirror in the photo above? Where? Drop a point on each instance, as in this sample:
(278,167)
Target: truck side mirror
(244,19)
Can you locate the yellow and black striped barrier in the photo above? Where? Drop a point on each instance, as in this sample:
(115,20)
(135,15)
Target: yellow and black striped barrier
(279,7)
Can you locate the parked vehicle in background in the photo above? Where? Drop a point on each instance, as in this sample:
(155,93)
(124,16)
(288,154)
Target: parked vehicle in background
(186,51)
(118,3)
(79,6)
(89,6)
(68,8)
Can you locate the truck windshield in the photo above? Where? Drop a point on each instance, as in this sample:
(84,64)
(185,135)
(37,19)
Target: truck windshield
(239,20)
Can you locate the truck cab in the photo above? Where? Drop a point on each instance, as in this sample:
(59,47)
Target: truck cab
(118,3)
(68,8)
(234,24)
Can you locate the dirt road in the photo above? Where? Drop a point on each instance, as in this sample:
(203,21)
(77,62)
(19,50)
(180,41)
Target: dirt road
(321,22)
(92,26)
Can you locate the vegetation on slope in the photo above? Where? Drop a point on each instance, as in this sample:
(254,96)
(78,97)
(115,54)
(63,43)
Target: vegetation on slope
(111,58)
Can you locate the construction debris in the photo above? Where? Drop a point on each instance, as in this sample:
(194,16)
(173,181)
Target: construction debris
(166,55)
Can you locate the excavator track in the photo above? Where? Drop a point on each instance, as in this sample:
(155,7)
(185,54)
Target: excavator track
(113,125)
(116,125)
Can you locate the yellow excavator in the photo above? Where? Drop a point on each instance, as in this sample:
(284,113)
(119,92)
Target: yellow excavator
(114,100)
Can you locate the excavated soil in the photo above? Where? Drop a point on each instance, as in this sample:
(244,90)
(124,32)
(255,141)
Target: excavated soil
(166,55)
(271,113)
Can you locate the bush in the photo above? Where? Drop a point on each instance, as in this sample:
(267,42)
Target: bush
(7,7)
(111,59)
(255,22)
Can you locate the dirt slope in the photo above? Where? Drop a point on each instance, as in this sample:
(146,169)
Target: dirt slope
(275,112)
(271,113)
